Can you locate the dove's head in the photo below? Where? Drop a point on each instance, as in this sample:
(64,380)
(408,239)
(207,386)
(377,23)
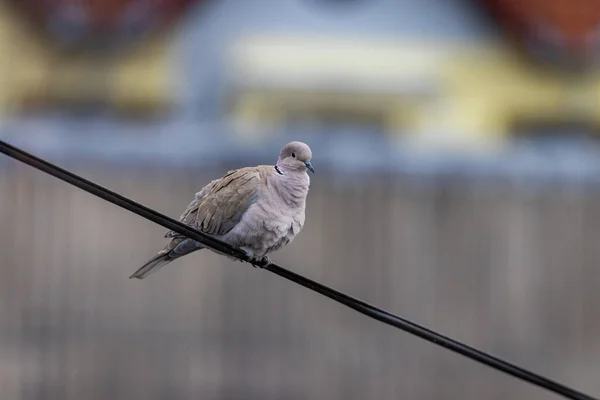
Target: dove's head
(296,156)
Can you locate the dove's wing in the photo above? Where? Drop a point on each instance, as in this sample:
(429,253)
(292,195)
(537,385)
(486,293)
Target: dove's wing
(189,215)
(220,205)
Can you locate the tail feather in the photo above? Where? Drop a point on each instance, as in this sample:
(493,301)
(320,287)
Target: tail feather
(153,265)
(177,248)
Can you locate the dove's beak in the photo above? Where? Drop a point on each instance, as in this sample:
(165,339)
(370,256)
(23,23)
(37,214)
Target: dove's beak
(310,166)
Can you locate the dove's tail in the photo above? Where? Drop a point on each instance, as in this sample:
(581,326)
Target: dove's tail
(155,263)
(173,251)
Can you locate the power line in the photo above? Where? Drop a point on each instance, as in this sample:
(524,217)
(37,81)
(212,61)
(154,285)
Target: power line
(342,298)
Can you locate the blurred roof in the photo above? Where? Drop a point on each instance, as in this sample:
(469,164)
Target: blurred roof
(567,29)
(79,23)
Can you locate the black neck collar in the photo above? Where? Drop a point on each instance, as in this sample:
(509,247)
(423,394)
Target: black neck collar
(278,170)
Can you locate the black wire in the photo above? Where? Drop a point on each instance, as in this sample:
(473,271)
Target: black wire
(345,299)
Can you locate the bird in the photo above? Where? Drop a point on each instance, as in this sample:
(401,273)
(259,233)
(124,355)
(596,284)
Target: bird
(257,209)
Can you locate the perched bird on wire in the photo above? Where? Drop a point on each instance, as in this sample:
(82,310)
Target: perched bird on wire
(256,209)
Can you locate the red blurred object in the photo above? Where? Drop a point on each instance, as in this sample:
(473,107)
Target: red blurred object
(80,20)
(572,26)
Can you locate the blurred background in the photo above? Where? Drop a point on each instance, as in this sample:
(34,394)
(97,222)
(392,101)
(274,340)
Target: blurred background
(458,168)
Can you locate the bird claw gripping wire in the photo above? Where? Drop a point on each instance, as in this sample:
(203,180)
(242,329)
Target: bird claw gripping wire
(260,262)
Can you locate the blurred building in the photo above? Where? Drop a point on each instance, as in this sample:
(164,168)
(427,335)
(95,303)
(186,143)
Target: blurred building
(466,75)
(87,55)
(468,92)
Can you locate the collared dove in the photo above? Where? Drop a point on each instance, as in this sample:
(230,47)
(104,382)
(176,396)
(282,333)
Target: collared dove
(256,209)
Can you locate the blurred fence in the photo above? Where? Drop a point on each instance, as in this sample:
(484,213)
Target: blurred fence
(512,271)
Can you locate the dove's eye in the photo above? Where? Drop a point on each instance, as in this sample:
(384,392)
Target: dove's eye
(294,155)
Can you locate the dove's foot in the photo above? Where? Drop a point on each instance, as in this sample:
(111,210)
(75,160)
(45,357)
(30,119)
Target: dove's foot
(265,261)
(257,261)
(261,262)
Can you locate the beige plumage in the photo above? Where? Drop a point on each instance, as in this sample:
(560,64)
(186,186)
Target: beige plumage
(257,209)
